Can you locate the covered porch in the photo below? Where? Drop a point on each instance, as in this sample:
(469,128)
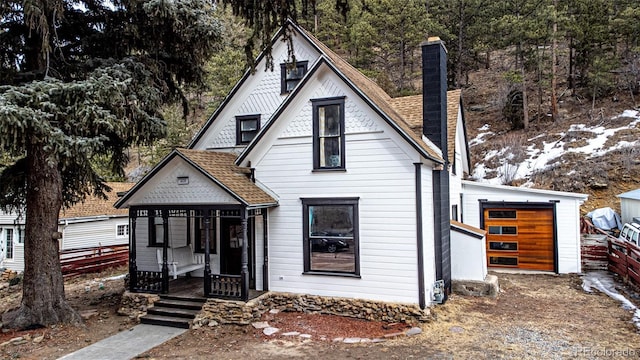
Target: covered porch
(174,244)
(197,215)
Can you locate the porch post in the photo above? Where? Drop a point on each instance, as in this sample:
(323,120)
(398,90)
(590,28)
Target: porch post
(207,261)
(245,257)
(133,267)
(165,254)
(265,265)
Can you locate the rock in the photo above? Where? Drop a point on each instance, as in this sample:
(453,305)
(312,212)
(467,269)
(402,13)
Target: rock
(213,323)
(291,333)
(413,331)
(270,331)
(38,339)
(456,329)
(274,311)
(87,314)
(338,339)
(393,335)
(351,340)
(305,336)
(260,324)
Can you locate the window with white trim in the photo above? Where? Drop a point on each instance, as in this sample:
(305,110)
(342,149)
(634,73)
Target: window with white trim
(122,230)
(8,243)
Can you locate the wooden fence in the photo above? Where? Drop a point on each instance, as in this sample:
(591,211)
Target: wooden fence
(89,260)
(624,260)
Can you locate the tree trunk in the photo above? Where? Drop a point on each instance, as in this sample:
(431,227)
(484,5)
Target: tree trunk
(43,301)
(554,49)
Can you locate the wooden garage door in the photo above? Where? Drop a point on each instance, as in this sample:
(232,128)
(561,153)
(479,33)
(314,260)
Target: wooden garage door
(520,238)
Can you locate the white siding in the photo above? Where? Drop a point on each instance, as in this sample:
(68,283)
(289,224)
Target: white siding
(259,94)
(379,171)
(163,187)
(10,221)
(468,257)
(92,233)
(259,252)
(629,208)
(567,215)
(428,244)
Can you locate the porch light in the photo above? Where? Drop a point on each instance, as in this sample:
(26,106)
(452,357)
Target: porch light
(183,180)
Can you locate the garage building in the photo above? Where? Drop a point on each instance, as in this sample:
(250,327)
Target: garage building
(527,229)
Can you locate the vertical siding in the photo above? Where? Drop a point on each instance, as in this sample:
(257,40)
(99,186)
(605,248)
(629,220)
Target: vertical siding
(567,216)
(427,231)
(259,252)
(629,208)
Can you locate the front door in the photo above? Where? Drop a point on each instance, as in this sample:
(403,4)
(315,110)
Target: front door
(231,246)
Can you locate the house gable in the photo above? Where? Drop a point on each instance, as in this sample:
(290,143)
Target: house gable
(164,187)
(257,93)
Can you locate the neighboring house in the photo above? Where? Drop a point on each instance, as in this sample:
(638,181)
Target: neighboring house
(95,222)
(630,206)
(11,241)
(309,179)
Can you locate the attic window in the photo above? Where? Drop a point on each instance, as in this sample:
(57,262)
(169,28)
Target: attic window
(246,128)
(291,74)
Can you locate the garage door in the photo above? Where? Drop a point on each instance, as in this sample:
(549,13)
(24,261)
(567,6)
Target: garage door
(520,238)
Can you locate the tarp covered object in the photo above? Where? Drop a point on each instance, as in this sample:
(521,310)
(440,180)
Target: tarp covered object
(605,218)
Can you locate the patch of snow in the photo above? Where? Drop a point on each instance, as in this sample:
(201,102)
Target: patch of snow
(603,282)
(484,127)
(541,158)
(479,139)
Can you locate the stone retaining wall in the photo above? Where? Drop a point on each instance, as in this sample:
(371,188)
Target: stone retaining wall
(135,305)
(238,312)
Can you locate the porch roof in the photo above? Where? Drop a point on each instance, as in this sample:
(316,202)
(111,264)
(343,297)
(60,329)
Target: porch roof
(220,168)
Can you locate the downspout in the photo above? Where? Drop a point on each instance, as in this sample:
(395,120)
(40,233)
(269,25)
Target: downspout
(419,239)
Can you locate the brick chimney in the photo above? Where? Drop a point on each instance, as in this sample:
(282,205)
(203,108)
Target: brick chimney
(434,93)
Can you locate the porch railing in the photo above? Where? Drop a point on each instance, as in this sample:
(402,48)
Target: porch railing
(147,281)
(226,286)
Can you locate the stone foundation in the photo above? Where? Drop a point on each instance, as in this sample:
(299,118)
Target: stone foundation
(240,313)
(135,305)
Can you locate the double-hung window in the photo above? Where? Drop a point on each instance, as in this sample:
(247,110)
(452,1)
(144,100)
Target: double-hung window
(291,74)
(330,236)
(9,243)
(328,134)
(246,128)
(122,230)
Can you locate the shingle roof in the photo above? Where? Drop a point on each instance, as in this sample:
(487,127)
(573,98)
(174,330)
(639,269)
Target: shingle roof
(95,206)
(372,91)
(410,107)
(221,167)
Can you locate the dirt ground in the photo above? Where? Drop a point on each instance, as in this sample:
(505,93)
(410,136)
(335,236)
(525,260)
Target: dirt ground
(535,316)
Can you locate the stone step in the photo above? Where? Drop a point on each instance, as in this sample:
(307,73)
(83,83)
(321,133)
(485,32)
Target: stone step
(179,304)
(171,321)
(173,312)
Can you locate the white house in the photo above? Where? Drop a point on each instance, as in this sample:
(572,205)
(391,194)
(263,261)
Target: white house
(308,179)
(93,223)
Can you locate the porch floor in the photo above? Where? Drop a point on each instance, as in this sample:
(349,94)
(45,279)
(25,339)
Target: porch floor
(193,287)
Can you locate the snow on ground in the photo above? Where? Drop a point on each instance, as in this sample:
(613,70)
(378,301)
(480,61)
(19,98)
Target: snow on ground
(540,158)
(603,282)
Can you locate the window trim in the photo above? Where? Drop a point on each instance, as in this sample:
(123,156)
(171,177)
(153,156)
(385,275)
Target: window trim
(306,248)
(316,104)
(198,241)
(239,132)
(9,244)
(283,75)
(153,236)
(126,234)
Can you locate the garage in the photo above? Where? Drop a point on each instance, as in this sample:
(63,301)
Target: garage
(527,229)
(520,236)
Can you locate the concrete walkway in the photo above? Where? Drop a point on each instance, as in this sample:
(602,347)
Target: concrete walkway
(126,344)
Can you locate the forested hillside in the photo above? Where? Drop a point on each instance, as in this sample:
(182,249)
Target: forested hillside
(502,54)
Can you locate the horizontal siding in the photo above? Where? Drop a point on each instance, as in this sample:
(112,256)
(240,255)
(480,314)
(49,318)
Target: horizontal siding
(92,234)
(385,188)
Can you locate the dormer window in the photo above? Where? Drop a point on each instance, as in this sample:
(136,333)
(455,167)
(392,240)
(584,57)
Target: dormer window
(291,74)
(246,128)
